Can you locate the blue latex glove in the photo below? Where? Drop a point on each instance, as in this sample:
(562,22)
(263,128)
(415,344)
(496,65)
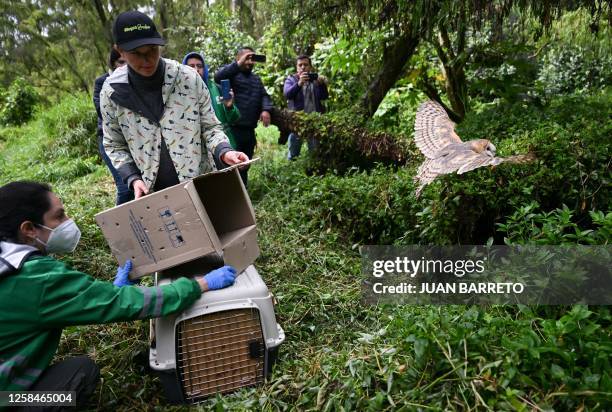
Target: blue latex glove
(122,279)
(220,278)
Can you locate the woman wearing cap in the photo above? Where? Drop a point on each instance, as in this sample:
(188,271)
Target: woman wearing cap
(226,111)
(159,127)
(40,295)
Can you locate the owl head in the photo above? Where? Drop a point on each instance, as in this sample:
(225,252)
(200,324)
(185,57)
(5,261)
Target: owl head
(490,150)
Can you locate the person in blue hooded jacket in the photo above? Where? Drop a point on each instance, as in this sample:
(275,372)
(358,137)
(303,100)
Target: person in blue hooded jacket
(226,110)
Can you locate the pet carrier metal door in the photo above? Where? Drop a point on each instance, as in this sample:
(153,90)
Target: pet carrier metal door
(220,352)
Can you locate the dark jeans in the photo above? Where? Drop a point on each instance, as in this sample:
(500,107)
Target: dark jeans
(295,145)
(124,193)
(79,374)
(245,142)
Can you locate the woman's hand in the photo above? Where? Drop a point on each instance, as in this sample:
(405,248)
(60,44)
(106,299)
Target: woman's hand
(140,189)
(228,103)
(233,158)
(218,279)
(122,276)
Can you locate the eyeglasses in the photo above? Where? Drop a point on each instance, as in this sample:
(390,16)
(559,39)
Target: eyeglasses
(196,66)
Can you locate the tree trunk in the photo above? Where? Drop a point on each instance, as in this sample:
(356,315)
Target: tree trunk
(103,21)
(162,10)
(283,119)
(395,56)
(245,16)
(453,63)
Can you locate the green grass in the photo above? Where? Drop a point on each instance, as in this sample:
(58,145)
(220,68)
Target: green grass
(339,353)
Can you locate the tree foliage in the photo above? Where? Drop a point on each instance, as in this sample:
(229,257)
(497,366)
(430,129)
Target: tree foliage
(527,88)
(220,38)
(17,103)
(63,46)
(445,25)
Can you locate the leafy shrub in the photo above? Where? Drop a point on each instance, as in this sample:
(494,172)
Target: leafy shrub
(346,142)
(496,355)
(580,58)
(509,76)
(372,207)
(568,69)
(18,103)
(377,205)
(529,225)
(72,125)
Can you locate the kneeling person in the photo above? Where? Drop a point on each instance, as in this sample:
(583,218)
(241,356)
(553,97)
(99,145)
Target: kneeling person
(40,295)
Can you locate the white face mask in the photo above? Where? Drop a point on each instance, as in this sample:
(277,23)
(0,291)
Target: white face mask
(63,239)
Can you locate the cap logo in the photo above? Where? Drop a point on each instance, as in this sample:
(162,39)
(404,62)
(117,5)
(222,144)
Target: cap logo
(136,27)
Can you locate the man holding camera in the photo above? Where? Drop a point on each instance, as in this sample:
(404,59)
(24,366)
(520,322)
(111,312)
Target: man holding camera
(250,97)
(304,91)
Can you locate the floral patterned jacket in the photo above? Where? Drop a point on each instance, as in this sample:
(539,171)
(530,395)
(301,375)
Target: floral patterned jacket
(132,139)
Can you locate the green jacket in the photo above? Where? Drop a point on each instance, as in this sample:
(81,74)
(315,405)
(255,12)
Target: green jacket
(226,116)
(45,295)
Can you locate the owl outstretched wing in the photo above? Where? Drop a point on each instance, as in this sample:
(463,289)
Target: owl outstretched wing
(433,130)
(455,159)
(445,153)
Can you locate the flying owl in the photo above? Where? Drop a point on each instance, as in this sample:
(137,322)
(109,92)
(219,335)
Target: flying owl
(434,135)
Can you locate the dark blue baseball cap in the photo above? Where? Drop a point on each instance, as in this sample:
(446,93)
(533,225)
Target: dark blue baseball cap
(133,29)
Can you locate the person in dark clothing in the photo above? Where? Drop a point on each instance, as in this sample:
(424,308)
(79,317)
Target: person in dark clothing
(251,99)
(304,93)
(124,194)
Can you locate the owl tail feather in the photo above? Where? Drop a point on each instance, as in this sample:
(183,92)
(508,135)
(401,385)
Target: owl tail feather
(520,159)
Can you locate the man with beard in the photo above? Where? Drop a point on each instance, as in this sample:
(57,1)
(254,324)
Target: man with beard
(250,97)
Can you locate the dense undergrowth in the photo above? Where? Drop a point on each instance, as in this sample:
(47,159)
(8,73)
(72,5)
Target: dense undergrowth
(341,354)
(570,139)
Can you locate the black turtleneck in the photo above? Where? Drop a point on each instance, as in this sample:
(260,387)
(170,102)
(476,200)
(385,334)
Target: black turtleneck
(149,91)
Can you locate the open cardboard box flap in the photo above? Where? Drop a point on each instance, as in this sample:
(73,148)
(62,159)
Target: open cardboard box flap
(193,221)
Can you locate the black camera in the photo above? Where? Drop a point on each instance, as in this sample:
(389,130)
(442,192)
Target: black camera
(313,76)
(261,58)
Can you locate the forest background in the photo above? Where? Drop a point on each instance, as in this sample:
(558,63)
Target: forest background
(531,76)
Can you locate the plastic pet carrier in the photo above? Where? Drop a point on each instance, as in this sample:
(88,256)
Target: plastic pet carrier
(226,341)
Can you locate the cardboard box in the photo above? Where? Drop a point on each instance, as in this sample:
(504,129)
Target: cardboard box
(208,218)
